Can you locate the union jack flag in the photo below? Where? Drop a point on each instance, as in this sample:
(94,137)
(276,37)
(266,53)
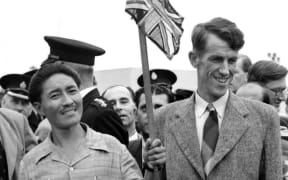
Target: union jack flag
(159,21)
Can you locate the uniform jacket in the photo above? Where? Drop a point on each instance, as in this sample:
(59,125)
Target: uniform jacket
(248,146)
(14,136)
(101,118)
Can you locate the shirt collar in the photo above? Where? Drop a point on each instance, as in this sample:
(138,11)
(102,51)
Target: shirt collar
(219,104)
(86,91)
(135,136)
(94,140)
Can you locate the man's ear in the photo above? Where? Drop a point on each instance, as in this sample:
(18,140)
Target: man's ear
(194,60)
(38,107)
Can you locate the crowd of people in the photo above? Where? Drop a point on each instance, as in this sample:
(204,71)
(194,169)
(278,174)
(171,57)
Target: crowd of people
(55,124)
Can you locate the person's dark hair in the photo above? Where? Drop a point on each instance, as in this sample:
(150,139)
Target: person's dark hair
(155,89)
(265,71)
(222,28)
(266,97)
(132,94)
(44,73)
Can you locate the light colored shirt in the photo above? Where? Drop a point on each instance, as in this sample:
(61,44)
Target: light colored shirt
(135,136)
(100,156)
(201,112)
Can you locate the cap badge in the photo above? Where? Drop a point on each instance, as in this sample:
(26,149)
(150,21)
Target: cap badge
(23,85)
(100,102)
(153,76)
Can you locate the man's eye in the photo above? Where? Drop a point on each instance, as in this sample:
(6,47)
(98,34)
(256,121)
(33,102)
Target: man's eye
(125,101)
(232,61)
(157,106)
(54,96)
(143,109)
(73,91)
(216,59)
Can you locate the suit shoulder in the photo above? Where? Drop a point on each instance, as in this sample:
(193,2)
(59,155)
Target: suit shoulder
(253,105)
(172,107)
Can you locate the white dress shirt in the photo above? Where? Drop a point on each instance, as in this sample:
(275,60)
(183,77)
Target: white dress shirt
(201,114)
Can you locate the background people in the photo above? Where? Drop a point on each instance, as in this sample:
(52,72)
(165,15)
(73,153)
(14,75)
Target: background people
(272,76)
(242,67)
(122,100)
(160,96)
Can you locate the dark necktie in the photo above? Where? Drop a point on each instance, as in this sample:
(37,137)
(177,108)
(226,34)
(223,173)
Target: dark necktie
(3,164)
(210,135)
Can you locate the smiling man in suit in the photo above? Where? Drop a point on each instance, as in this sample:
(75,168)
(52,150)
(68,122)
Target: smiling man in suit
(214,134)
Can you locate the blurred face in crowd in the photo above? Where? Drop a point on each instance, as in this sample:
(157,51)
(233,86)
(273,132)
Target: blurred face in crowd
(123,104)
(22,106)
(215,68)
(240,77)
(61,101)
(251,91)
(278,89)
(158,100)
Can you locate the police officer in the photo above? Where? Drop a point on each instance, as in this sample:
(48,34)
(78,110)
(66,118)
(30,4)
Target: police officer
(16,98)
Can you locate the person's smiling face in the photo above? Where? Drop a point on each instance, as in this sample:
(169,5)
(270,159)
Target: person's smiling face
(61,101)
(215,68)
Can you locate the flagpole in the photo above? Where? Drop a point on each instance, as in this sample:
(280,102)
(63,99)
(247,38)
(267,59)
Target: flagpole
(147,83)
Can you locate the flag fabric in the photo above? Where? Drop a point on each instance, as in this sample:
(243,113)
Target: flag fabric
(159,21)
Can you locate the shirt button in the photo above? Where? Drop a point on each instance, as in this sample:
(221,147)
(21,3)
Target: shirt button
(71,168)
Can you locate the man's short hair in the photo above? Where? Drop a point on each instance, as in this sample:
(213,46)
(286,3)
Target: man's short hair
(265,71)
(44,73)
(246,62)
(222,28)
(131,92)
(155,89)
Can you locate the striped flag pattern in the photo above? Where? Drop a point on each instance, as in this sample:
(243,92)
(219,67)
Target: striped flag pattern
(159,21)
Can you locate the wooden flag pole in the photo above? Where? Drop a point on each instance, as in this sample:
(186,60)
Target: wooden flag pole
(147,83)
(148,95)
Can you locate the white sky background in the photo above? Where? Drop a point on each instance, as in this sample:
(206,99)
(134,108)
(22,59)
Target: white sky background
(104,23)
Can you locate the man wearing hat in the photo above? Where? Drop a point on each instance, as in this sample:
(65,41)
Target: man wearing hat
(80,56)
(161,90)
(161,77)
(16,98)
(16,93)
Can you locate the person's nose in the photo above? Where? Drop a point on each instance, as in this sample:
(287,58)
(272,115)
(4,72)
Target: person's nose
(67,99)
(117,107)
(224,69)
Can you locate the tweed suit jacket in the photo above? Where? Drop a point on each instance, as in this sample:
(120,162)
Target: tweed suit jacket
(248,147)
(14,137)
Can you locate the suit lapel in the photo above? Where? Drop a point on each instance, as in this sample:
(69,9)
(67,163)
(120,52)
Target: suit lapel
(184,130)
(233,127)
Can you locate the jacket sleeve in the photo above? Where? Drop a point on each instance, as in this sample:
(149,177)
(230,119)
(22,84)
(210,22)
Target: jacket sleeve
(129,167)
